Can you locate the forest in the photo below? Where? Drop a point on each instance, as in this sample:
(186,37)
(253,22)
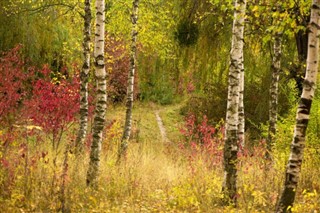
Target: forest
(159,106)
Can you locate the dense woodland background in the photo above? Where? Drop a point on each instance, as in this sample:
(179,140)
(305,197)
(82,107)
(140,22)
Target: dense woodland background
(183,50)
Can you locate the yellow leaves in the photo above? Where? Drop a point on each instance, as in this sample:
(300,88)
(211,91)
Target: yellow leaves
(110,61)
(259,198)
(310,202)
(283,15)
(28,127)
(81,205)
(208,191)
(293,24)
(114,133)
(93,199)
(17,198)
(309,195)
(266,38)
(184,195)
(109,69)
(275,14)
(255,11)
(253,196)
(255,8)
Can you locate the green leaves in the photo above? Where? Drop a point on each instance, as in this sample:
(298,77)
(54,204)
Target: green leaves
(268,18)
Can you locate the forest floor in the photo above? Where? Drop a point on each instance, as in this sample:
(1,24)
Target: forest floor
(159,174)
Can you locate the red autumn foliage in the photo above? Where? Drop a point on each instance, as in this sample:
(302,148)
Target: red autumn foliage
(118,65)
(199,133)
(53,104)
(32,96)
(202,138)
(12,78)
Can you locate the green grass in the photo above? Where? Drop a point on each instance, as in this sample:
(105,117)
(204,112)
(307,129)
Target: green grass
(172,120)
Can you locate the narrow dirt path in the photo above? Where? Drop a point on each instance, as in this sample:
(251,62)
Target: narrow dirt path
(161,127)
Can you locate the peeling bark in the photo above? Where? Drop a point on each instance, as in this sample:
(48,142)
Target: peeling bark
(232,117)
(129,103)
(101,99)
(293,168)
(84,74)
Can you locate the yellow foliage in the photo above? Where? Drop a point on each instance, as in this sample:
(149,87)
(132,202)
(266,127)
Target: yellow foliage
(156,177)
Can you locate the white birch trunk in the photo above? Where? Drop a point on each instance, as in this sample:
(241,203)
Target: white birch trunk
(293,168)
(274,93)
(84,78)
(101,99)
(129,103)
(241,125)
(232,117)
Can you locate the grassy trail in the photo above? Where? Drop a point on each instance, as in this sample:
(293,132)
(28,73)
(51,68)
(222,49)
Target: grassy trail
(156,177)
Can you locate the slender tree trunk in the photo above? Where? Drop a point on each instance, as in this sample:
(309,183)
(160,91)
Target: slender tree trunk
(129,103)
(297,71)
(301,38)
(232,118)
(274,93)
(84,79)
(302,118)
(241,125)
(101,99)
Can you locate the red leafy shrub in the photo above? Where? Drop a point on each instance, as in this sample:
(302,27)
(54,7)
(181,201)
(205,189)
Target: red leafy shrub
(53,104)
(15,86)
(258,151)
(203,138)
(12,88)
(118,65)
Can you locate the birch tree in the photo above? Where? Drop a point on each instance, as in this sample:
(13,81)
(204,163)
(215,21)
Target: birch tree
(293,168)
(241,125)
(84,77)
(232,117)
(101,99)
(129,102)
(301,18)
(274,92)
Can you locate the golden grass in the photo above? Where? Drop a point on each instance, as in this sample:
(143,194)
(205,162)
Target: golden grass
(156,177)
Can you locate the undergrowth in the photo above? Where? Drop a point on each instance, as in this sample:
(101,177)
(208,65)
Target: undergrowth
(156,177)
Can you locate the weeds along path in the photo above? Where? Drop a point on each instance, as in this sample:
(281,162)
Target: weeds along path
(161,127)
